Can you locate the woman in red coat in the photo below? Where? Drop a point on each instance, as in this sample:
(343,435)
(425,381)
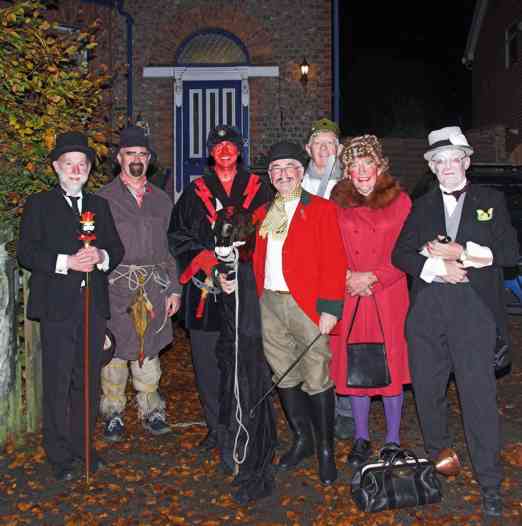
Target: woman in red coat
(372,210)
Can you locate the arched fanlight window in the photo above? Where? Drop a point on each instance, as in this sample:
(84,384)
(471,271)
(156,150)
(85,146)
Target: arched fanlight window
(212,47)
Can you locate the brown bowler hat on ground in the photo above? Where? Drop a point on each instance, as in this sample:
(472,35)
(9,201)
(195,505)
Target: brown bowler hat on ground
(447,463)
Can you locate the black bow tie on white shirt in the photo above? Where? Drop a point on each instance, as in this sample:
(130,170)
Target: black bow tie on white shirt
(457,193)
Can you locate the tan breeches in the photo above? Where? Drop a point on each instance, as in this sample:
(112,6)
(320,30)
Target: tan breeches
(287,331)
(145,380)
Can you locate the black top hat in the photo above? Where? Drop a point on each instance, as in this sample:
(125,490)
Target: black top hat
(72,142)
(222,133)
(135,136)
(287,150)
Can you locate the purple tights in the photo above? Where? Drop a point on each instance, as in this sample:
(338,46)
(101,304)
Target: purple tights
(392,410)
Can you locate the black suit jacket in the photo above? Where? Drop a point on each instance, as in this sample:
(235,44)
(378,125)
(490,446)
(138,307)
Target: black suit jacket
(426,221)
(49,227)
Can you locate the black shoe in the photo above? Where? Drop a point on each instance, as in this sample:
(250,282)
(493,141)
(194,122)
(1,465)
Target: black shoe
(323,417)
(227,462)
(63,473)
(156,423)
(388,451)
(97,463)
(360,453)
(114,428)
(209,442)
(491,502)
(297,409)
(344,427)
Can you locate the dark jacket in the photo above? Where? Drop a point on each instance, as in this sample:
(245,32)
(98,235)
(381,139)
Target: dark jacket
(49,227)
(426,221)
(191,232)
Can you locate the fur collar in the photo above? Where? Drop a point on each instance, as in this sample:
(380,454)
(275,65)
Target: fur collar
(386,190)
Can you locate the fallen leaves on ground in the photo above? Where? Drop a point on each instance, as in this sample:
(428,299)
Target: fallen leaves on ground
(166,480)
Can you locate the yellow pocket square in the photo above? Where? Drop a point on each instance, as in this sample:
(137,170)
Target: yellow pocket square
(484,215)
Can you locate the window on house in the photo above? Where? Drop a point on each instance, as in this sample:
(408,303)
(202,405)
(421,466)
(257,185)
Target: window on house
(513,38)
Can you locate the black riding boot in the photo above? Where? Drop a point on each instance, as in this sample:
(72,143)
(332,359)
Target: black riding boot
(297,408)
(323,417)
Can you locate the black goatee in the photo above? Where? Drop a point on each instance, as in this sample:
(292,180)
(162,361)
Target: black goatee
(136,169)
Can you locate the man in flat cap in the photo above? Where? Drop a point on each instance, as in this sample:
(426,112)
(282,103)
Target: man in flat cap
(324,168)
(454,245)
(49,246)
(323,172)
(144,289)
(300,270)
(227,192)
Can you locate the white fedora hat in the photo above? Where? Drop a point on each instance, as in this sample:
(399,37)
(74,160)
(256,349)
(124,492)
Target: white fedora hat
(446,138)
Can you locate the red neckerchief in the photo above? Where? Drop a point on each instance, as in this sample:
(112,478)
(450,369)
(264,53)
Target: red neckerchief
(138,191)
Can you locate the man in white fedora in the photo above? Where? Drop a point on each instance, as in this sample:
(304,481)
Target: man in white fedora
(454,245)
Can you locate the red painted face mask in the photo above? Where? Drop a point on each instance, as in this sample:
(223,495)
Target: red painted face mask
(225,154)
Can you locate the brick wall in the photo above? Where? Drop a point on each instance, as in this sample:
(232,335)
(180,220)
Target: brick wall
(275,32)
(497,91)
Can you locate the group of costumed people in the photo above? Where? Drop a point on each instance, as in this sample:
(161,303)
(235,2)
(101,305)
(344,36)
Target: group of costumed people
(274,277)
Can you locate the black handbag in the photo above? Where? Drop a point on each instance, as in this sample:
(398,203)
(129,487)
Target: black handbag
(403,481)
(367,363)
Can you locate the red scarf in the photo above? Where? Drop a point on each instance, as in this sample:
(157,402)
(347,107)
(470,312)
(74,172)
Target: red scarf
(137,186)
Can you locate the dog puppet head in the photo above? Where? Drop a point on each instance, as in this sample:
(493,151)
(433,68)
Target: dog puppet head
(234,228)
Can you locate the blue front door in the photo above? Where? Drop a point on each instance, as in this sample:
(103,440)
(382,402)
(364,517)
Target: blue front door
(205,105)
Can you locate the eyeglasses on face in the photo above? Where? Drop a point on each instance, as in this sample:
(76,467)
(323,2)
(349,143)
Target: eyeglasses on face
(137,155)
(453,160)
(290,169)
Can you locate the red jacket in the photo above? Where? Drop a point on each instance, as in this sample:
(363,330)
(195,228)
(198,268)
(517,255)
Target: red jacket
(314,261)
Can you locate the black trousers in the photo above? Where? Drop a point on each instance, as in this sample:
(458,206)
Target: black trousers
(449,329)
(205,363)
(63,366)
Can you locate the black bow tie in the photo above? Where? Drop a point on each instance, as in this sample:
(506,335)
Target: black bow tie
(457,193)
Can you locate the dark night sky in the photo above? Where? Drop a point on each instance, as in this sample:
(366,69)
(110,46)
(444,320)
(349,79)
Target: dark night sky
(401,69)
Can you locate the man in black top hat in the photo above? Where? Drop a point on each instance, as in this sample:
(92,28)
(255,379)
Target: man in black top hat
(144,289)
(49,246)
(229,188)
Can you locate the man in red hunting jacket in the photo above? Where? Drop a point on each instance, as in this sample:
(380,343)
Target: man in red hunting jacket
(300,270)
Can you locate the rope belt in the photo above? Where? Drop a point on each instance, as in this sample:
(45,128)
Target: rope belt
(132,273)
(147,272)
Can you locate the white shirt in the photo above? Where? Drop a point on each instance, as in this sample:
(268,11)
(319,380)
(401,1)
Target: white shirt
(434,266)
(311,185)
(61,266)
(274,277)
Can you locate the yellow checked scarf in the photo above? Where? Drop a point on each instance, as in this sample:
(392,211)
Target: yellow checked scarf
(276,220)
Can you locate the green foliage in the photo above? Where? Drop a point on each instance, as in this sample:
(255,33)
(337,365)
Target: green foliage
(45,89)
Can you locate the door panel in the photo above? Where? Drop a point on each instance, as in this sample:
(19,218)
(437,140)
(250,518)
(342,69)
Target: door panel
(205,105)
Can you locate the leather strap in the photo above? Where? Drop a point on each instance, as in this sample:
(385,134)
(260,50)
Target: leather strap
(357,307)
(355,312)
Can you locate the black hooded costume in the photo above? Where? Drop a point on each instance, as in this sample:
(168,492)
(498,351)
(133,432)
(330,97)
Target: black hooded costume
(191,232)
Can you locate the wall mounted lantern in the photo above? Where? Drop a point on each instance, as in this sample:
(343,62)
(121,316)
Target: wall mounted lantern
(305,69)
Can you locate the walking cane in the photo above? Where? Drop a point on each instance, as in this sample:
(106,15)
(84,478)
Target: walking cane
(86,235)
(297,360)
